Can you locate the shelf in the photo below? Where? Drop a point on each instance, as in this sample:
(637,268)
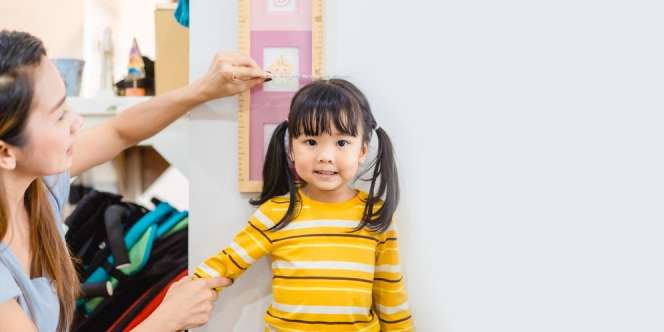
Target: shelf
(172,142)
(103,106)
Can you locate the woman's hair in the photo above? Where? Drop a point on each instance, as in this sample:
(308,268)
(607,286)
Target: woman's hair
(313,111)
(20,54)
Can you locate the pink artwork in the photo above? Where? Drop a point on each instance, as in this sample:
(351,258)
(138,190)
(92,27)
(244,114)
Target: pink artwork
(281,15)
(282,36)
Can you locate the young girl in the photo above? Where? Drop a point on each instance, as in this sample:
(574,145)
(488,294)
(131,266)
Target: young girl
(335,259)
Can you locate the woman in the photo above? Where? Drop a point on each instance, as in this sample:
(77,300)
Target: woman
(41,147)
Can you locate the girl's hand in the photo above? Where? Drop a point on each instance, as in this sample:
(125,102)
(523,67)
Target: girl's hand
(187,304)
(229,74)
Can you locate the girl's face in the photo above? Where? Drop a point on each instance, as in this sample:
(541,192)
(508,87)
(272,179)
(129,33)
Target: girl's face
(52,127)
(327,163)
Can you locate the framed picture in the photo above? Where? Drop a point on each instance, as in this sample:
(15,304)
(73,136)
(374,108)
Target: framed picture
(285,37)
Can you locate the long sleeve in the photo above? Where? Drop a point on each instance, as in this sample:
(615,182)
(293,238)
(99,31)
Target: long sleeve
(249,245)
(389,289)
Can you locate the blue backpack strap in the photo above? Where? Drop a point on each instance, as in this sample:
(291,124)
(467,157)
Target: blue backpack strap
(167,225)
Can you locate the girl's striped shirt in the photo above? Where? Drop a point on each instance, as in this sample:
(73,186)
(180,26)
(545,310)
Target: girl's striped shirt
(325,276)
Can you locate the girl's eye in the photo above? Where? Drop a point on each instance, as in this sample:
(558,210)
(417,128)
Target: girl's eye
(342,143)
(310,142)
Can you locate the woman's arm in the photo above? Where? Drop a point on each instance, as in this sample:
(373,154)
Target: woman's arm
(187,304)
(12,318)
(228,75)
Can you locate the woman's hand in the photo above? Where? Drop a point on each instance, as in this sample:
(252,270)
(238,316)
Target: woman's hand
(229,74)
(187,304)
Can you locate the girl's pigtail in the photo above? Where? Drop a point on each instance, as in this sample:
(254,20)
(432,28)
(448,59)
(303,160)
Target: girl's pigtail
(277,176)
(385,169)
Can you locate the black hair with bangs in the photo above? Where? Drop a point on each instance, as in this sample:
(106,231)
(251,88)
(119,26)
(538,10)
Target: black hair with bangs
(315,108)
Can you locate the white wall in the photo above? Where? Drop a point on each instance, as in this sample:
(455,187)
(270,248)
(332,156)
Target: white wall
(74,29)
(127,19)
(58,23)
(217,210)
(529,137)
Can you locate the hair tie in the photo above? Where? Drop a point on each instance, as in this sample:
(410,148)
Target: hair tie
(286,145)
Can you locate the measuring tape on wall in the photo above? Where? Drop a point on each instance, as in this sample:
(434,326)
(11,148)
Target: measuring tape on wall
(247,183)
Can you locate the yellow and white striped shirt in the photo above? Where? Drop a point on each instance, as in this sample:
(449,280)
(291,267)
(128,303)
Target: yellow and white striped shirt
(325,277)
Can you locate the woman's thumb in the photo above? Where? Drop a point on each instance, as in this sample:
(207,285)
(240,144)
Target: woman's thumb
(217,282)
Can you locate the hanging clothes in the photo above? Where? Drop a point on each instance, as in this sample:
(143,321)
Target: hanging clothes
(85,225)
(127,254)
(139,241)
(144,306)
(182,13)
(168,258)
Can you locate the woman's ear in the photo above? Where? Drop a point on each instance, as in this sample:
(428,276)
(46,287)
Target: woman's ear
(7,156)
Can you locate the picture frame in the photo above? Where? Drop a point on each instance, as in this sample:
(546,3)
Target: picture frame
(284,37)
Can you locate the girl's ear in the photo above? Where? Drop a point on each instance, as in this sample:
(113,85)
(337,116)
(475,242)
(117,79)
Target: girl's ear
(7,156)
(364,152)
(291,157)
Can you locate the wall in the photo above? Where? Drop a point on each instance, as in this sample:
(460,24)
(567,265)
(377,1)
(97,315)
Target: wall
(39,18)
(74,29)
(127,20)
(530,147)
(217,210)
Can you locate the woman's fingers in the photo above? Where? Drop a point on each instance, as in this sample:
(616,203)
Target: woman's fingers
(238,73)
(230,74)
(246,85)
(239,59)
(216,282)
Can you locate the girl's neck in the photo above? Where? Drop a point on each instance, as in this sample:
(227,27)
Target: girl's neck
(329,196)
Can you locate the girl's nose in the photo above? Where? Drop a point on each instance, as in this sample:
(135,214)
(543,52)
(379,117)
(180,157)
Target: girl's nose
(325,156)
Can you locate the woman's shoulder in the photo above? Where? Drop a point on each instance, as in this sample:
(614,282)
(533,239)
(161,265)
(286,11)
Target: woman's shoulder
(57,190)
(57,186)
(8,287)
